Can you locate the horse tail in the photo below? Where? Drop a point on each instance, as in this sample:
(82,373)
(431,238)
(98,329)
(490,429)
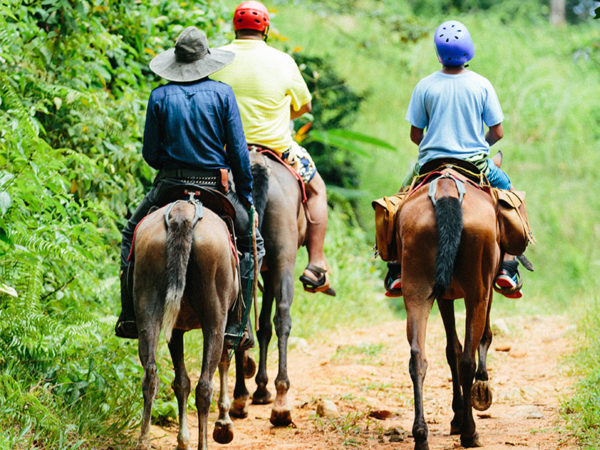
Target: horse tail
(260,189)
(449,218)
(178,248)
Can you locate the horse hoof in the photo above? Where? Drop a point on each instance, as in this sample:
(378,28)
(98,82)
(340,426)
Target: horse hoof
(421,445)
(281,418)
(249,366)
(239,408)
(473,441)
(223,433)
(143,446)
(262,398)
(481,395)
(183,447)
(455,427)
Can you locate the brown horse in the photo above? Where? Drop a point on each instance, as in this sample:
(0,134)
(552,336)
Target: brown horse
(185,278)
(282,222)
(450,249)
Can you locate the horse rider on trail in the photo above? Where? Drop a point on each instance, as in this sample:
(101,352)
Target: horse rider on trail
(453,104)
(270,92)
(194,135)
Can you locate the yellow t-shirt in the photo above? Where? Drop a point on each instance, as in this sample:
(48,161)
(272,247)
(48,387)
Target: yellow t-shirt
(266,82)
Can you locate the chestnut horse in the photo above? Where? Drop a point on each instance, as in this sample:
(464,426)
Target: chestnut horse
(278,199)
(450,247)
(185,278)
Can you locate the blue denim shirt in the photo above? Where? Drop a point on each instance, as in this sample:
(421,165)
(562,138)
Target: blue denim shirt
(197,125)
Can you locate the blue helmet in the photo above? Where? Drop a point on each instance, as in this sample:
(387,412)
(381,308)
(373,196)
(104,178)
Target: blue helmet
(453,43)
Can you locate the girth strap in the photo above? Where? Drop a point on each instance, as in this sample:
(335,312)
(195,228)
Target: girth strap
(460,187)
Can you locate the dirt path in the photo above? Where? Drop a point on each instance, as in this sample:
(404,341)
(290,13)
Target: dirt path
(366,370)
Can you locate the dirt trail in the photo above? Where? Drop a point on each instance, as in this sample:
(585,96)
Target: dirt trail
(366,370)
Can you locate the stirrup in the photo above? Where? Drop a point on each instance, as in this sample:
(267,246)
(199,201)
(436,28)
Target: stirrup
(393,286)
(321,284)
(505,284)
(237,342)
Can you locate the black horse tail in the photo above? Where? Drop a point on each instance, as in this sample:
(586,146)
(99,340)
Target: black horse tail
(448,214)
(260,189)
(178,248)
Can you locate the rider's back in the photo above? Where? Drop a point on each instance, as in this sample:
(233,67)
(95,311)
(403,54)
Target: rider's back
(266,82)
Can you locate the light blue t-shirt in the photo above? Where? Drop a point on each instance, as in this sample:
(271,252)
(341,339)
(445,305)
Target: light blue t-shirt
(453,109)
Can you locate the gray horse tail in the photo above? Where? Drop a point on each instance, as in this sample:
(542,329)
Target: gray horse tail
(260,189)
(179,245)
(449,218)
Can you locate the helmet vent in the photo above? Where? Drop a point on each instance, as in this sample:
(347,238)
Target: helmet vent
(447,39)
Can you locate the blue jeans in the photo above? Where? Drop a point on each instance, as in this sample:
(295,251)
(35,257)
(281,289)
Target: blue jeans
(496,176)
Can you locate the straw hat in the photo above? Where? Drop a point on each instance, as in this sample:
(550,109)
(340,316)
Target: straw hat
(191,59)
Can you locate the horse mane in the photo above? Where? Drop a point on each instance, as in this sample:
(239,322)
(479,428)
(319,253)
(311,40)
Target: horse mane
(448,214)
(260,189)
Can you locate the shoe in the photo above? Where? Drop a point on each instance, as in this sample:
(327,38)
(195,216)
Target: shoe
(321,284)
(126,329)
(508,281)
(234,339)
(393,281)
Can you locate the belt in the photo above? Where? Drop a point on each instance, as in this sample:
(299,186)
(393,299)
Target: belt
(214,177)
(189,173)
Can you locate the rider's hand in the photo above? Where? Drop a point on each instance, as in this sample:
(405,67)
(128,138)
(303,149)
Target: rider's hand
(255,218)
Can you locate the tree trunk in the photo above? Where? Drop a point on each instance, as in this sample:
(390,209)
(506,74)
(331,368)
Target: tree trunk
(557,12)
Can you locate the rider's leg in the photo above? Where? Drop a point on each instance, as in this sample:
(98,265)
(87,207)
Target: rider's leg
(235,329)
(508,275)
(316,204)
(126,326)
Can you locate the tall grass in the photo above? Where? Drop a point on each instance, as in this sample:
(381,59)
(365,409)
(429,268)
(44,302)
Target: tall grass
(550,98)
(551,126)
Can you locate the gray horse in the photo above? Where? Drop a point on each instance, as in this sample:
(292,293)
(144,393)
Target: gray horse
(282,222)
(197,289)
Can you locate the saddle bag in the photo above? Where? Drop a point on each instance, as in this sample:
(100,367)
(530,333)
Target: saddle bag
(386,209)
(515,230)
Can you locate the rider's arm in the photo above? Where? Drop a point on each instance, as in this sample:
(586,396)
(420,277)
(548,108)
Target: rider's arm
(416,134)
(150,149)
(494,134)
(237,151)
(303,109)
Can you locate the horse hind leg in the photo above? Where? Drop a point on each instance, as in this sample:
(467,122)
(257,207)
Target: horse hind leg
(223,432)
(453,354)
(417,313)
(281,414)
(149,332)
(481,392)
(213,347)
(475,324)
(181,387)
(262,396)
(239,409)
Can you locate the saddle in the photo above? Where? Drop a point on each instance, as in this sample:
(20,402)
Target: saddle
(271,154)
(515,230)
(201,196)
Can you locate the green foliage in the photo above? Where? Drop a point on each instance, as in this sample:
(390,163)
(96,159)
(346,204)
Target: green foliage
(335,105)
(73,87)
(583,410)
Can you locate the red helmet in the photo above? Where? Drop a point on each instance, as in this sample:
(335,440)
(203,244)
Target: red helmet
(251,15)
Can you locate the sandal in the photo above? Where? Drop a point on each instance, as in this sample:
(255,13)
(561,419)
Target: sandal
(321,284)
